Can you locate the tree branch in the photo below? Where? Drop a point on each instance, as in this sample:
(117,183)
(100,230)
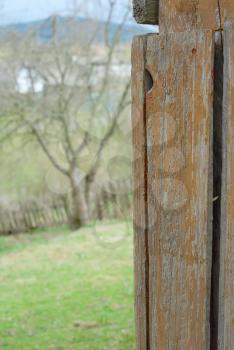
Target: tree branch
(92,171)
(47,152)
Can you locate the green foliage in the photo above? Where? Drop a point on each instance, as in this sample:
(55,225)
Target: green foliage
(62,290)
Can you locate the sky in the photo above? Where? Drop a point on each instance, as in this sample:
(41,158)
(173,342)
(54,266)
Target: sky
(12,11)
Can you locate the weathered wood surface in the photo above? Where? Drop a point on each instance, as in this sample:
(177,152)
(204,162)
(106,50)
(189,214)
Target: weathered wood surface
(226,303)
(173,256)
(140,193)
(180,15)
(146,11)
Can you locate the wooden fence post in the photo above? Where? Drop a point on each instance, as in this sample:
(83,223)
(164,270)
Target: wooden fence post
(183,177)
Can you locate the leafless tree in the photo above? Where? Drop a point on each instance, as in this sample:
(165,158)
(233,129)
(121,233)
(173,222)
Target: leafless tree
(69,85)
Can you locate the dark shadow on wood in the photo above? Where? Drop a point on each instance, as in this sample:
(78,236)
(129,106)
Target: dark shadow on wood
(148,84)
(217,188)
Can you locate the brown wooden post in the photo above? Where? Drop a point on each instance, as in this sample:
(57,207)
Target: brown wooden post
(183,176)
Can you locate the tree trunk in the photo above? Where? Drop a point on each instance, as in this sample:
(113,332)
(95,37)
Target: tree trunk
(79,208)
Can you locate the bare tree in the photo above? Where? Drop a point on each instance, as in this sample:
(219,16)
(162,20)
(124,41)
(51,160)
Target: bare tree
(68,85)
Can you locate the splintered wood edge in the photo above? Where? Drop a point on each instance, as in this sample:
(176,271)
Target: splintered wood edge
(146,11)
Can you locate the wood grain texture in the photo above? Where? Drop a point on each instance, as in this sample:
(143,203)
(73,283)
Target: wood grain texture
(140,193)
(178,116)
(226,304)
(179,111)
(146,11)
(181,15)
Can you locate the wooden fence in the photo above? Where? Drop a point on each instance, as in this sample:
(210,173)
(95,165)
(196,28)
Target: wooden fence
(110,202)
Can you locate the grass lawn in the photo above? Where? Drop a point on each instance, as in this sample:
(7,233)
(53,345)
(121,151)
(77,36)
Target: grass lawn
(63,290)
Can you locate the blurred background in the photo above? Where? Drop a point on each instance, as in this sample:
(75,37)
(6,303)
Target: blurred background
(66,271)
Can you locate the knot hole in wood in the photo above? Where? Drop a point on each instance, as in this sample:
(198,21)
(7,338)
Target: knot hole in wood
(149,82)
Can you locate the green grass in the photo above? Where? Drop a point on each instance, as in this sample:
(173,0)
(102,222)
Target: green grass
(63,290)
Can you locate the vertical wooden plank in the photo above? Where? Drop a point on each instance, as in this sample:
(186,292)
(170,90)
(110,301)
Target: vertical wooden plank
(141,262)
(179,110)
(226,300)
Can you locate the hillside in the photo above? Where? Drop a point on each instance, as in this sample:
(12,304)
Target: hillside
(67,26)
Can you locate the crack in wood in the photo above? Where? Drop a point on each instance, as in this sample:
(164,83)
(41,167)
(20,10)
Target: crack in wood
(148,83)
(220,22)
(217,188)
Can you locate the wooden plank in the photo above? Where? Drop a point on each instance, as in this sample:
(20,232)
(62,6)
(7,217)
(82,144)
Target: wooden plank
(140,193)
(177,259)
(181,15)
(226,301)
(146,11)
(179,112)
